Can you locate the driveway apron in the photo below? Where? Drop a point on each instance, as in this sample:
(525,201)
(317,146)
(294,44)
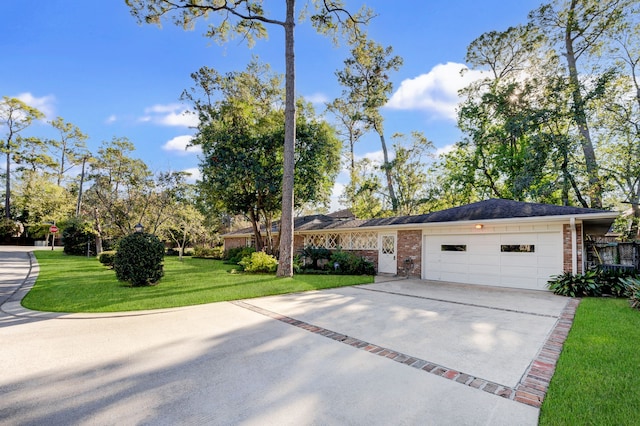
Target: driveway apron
(454,355)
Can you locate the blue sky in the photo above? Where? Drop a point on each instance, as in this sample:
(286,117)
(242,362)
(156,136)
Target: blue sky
(93,65)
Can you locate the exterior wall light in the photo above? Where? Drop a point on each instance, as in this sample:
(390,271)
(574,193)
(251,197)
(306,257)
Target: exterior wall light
(479,226)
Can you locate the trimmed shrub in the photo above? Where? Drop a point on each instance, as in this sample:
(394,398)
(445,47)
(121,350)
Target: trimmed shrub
(138,259)
(208,252)
(344,262)
(236,254)
(578,285)
(107,258)
(77,235)
(259,262)
(593,283)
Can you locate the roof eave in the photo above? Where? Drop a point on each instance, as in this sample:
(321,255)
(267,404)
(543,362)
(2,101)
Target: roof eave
(554,218)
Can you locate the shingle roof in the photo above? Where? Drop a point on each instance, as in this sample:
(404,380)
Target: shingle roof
(483,210)
(502,209)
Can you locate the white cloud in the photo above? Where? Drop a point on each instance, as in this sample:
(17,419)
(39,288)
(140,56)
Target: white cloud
(45,103)
(180,145)
(161,109)
(436,91)
(194,174)
(317,98)
(376,157)
(444,150)
(180,119)
(111,119)
(170,115)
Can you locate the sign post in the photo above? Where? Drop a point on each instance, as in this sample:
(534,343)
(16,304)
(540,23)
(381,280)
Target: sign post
(53,229)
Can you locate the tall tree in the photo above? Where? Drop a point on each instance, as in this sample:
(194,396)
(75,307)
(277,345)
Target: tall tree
(241,135)
(367,83)
(15,116)
(579,28)
(619,111)
(248,19)
(350,126)
(409,169)
(505,152)
(120,191)
(70,144)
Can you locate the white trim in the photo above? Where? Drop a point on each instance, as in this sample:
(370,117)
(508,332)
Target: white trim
(471,223)
(574,246)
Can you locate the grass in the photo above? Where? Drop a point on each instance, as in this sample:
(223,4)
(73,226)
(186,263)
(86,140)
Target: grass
(80,284)
(596,379)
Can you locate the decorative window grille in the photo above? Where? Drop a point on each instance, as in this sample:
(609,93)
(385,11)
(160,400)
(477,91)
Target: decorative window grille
(346,240)
(388,244)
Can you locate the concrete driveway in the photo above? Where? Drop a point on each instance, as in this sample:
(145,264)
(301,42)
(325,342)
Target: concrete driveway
(397,352)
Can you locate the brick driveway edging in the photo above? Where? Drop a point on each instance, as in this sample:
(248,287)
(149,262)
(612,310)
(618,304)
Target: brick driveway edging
(531,389)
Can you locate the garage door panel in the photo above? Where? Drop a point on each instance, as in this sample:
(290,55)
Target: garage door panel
(484,259)
(550,238)
(455,277)
(519,259)
(483,262)
(487,279)
(518,270)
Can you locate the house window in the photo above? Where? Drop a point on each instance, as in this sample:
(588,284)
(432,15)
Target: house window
(345,241)
(388,244)
(517,248)
(453,247)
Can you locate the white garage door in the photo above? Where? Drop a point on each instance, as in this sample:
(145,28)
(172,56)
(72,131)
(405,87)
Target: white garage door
(523,260)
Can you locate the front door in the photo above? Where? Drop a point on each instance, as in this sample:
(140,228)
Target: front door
(387,263)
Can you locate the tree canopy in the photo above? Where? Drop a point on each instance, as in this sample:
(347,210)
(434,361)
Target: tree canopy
(241,131)
(248,19)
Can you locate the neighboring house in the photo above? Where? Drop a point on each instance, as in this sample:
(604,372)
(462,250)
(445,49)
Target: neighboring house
(494,242)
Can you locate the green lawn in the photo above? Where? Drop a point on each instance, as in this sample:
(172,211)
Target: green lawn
(80,284)
(596,379)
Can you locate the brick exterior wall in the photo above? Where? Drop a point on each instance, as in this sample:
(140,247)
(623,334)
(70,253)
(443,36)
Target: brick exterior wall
(410,248)
(230,243)
(566,247)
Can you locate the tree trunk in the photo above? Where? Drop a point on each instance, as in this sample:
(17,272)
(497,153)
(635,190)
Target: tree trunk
(184,242)
(98,230)
(268,223)
(255,224)
(7,196)
(285,262)
(387,171)
(580,116)
(79,203)
(61,172)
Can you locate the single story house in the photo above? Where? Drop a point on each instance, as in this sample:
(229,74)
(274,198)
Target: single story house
(493,242)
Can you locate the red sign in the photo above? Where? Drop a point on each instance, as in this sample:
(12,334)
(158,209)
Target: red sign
(53,229)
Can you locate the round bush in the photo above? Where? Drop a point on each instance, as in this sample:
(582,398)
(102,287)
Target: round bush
(259,262)
(138,260)
(107,258)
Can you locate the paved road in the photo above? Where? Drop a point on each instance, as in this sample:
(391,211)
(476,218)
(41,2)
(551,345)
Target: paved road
(301,359)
